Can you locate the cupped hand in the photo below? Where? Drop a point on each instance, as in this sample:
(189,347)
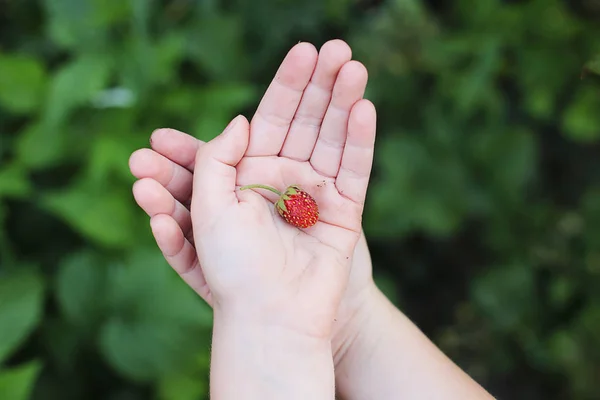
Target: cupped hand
(312,129)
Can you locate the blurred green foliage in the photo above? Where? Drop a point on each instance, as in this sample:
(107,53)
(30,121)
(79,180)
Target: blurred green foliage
(483,216)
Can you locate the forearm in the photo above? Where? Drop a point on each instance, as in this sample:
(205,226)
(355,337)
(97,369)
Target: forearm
(390,358)
(250,361)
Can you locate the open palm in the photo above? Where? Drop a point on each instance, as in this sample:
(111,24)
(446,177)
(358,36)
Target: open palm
(311,128)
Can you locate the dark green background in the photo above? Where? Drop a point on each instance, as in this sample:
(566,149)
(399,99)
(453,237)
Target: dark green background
(483,216)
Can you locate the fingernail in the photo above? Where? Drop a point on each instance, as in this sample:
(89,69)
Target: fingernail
(231,124)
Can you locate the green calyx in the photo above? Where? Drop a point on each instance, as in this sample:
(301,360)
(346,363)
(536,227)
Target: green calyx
(291,190)
(280,205)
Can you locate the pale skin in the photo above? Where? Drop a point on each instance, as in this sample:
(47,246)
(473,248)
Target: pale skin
(296,302)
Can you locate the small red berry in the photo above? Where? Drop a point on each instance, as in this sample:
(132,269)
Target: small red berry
(295,205)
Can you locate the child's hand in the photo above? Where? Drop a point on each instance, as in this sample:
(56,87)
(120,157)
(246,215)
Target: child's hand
(253,261)
(164,188)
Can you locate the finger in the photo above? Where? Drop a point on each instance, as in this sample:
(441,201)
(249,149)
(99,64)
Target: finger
(349,88)
(179,253)
(276,110)
(215,176)
(305,126)
(177,146)
(154,199)
(145,163)
(353,177)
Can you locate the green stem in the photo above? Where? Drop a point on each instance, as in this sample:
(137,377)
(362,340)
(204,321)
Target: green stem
(258,186)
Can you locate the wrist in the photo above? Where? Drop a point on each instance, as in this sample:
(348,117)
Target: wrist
(254,359)
(307,317)
(248,323)
(356,334)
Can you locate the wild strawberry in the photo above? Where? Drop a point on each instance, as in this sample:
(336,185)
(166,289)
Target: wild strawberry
(295,205)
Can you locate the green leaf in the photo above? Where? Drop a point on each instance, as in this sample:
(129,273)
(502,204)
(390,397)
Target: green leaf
(156,322)
(476,83)
(22,80)
(591,67)
(145,64)
(144,350)
(416,189)
(590,213)
(14,181)
(21,300)
(581,120)
(39,145)
(561,290)
(218,103)
(108,153)
(83,24)
(43,143)
(506,295)
(81,285)
(75,84)
(226,98)
(540,101)
(64,342)
(565,348)
(539,84)
(103,214)
(7,253)
(338,10)
(182,387)
(506,159)
(188,385)
(17,383)
(149,288)
(221,55)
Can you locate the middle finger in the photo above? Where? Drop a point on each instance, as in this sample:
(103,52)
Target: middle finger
(305,127)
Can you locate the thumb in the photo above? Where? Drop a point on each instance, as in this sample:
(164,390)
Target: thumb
(215,173)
